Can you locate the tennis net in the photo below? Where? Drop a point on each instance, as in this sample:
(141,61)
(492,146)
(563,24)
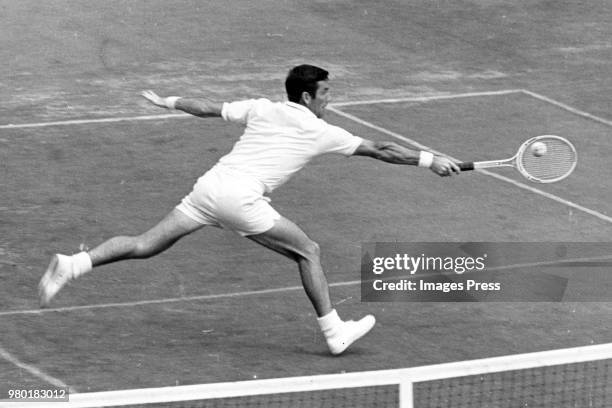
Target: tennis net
(578,377)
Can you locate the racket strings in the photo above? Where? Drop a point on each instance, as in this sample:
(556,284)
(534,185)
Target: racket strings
(558,161)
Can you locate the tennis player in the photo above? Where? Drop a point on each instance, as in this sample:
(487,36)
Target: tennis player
(279,139)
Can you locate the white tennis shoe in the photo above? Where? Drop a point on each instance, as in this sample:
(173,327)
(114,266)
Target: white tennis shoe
(349,332)
(59,272)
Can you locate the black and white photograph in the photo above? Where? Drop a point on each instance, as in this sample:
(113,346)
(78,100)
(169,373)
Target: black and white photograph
(306,204)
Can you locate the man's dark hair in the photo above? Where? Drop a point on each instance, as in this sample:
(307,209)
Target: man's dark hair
(304,78)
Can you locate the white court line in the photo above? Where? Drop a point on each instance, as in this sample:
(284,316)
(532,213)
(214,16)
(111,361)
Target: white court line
(524,186)
(567,107)
(348,103)
(33,370)
(94,121)
(273,290)
(185,115)
(165,300)
(429,97)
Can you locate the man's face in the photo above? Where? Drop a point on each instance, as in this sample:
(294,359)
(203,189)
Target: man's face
(321,99)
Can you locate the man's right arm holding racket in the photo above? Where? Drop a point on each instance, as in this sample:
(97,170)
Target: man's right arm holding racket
(392,152)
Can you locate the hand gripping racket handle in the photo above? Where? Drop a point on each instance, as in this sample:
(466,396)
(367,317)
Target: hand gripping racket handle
(466,166)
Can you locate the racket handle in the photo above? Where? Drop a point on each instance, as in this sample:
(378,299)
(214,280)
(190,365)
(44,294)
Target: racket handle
(466,166)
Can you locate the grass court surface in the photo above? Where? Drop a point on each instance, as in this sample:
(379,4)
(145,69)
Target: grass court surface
(471,79)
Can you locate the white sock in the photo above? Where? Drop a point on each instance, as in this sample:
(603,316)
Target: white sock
(81,264)
(330,324)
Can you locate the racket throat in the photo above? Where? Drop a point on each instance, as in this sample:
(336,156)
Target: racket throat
(493,163)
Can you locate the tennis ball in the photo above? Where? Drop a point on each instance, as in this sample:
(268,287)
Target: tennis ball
(538,149)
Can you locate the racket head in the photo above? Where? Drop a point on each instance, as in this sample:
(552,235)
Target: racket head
(557,163)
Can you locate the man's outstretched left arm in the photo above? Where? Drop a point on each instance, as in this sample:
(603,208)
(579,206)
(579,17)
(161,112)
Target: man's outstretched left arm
(194,106)
(392,152)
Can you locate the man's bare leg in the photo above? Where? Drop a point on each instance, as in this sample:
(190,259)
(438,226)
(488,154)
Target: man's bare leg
(289,239)
(156,240)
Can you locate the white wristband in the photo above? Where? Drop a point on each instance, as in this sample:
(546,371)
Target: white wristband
(171,101)
(425,159)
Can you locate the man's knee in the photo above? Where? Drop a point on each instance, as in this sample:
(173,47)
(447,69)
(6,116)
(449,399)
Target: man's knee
(312,251)
(144,247)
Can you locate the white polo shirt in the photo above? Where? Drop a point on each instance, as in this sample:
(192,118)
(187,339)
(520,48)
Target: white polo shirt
(279,139)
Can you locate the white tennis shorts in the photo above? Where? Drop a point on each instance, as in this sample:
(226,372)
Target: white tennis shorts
(227,199)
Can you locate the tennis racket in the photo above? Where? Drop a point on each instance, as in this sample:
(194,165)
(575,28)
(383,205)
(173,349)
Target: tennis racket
(556,163)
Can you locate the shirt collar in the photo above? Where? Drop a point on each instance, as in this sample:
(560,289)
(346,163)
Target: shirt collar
(300,107)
